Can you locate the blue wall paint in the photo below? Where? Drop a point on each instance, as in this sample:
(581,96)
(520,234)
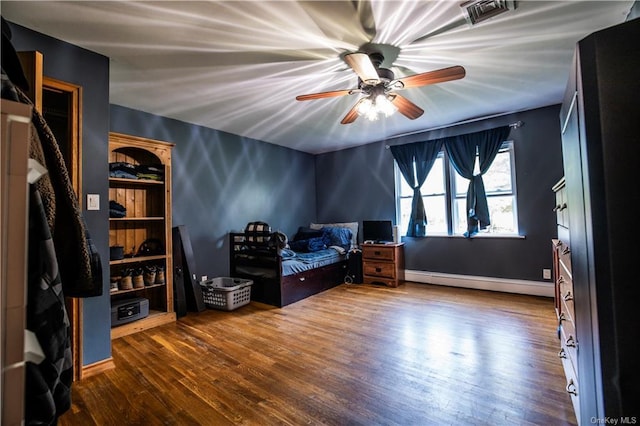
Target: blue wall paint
(358,183)
(72,64)
(223,181)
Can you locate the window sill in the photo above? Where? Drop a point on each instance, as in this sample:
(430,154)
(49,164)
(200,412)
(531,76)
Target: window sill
(478,235)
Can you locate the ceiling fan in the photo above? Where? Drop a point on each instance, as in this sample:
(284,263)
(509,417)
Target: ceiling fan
(379,86)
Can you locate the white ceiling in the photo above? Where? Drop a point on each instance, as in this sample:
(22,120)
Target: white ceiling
(237,66)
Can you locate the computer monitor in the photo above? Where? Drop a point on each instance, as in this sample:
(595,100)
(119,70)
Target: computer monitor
(378,231)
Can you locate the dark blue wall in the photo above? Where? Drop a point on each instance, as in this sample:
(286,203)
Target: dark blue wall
(223,181)
(358,184)
(89,70)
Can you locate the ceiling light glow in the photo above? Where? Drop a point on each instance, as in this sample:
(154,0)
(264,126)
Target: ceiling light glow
(373,107)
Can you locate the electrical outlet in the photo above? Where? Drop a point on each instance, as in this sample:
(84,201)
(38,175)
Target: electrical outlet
(546,274)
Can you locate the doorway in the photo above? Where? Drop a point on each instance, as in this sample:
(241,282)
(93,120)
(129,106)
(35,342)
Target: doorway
(62,110)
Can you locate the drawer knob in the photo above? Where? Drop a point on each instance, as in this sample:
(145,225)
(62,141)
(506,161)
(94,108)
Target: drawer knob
(563,206)
(557,207)
(562,354)
(568,296)
(571,343)
(377,253)
(561,318)
(566,250)
(571,388)
(560,279)
(378,269)
(302,279)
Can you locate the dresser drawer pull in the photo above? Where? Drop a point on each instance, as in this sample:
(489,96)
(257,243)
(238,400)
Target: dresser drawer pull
(557,243)
(560,279)
(561,318)
(562,354)
(568,296)
(566,250)
(571,343)
(571,388)
(563,206)
(378,269)
(557,207)
(377,253)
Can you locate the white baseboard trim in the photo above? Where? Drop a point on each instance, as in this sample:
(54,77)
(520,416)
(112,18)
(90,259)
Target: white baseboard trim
(534,288)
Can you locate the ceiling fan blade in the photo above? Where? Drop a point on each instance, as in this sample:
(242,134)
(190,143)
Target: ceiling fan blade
(352,114)
(321,95)
(432,77)
(362,65)
(406,107)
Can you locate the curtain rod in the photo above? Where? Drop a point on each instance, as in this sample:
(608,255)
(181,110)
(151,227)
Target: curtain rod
(515,125)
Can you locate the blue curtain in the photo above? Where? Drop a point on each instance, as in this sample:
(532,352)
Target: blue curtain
(462,152)
(415,161)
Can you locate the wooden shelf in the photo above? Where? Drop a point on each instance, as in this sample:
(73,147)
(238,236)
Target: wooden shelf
(113,180)
(133,219)
(154,319)
(146,287)
(137,259)
(148,206)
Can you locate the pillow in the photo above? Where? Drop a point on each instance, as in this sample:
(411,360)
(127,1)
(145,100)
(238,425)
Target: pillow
(305,233)
(339,249)
(338,236)
(309,245)
(353,226)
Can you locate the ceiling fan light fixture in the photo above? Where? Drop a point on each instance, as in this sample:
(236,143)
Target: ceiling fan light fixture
(373,107)
(378,86)
(365,105)
(385,106)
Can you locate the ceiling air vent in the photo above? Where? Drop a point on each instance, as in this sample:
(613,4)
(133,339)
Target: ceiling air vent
(479,10)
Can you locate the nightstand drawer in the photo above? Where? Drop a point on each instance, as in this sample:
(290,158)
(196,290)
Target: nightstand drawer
(379,253)
(380,270)
(389,282)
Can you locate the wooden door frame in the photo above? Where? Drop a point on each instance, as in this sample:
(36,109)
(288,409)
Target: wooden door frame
(33,65)
(74,304)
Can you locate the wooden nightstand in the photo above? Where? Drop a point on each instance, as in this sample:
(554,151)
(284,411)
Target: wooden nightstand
(383,263)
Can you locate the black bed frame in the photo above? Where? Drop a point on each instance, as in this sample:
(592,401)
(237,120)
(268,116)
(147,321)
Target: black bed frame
(272,288)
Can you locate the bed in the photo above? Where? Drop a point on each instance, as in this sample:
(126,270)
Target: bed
(284,275)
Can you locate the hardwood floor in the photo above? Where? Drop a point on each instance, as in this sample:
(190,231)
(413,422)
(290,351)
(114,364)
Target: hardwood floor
(353,355)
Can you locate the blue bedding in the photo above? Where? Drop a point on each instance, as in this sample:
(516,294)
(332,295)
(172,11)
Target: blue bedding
(300,262)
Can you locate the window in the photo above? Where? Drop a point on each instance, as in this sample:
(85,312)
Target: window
(444,195)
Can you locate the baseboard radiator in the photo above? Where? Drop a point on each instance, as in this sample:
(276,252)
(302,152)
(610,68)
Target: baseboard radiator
(534,288)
